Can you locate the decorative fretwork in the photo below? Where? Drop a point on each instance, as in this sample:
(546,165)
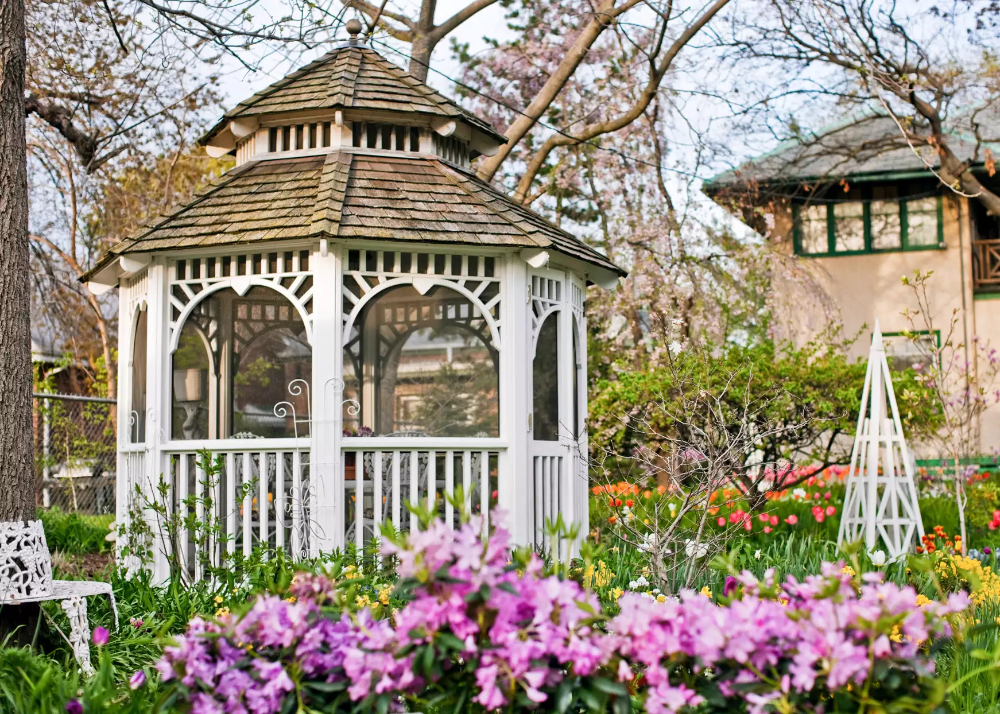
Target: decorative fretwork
(986,265)
(472,276)
(192,280)
(134,289)
(546,297)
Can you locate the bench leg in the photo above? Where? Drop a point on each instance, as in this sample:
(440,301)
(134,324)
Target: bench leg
(79,634)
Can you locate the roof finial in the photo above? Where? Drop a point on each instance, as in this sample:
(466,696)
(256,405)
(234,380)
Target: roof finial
(353,28)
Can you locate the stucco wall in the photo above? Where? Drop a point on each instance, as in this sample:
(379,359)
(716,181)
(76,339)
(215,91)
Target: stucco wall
(865,287)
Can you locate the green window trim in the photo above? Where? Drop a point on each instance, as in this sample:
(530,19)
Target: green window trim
(831,236)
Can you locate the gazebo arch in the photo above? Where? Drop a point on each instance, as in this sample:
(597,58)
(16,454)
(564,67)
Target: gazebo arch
(240,288)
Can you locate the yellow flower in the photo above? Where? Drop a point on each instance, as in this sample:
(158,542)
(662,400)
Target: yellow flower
(706,591)
(290,598)
(221,612)
(922,600)
(599,576)
(383,595)
(661,598)
(617,593)
(847,570)
(363,601)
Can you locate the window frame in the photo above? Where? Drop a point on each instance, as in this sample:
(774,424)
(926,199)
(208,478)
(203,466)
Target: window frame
(866,201)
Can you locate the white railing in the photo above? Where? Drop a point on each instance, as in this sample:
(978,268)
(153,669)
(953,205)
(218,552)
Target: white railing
(383,474)
(547,494)
(249,493)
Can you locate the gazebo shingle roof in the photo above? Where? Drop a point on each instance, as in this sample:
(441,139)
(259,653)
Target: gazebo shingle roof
(348,195)
(351,77)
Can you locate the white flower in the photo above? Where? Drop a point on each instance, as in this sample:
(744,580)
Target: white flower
(878,558)
(799,493)
(757,554)
(693,549)
(648,542)
(641,582)
(764,485)
(675,347)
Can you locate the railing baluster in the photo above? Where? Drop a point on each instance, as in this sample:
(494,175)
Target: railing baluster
(246,523)
(279,501)
(377,490)
(230,503)
(467,482)
(213,535)
(199,511)
(296,505)
(359,502)
(397,491)
(182,496)
(263,471)
(484,488)
(431,479)
(449,486)
(414,486)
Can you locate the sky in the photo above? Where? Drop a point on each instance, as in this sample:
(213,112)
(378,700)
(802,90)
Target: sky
(238,84)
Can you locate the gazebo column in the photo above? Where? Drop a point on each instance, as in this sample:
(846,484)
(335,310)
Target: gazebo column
(158,379)
(515,362)
(325,465)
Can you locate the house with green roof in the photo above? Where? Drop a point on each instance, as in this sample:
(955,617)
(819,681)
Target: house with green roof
(861,207)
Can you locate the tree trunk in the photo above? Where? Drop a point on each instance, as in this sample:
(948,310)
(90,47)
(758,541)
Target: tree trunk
(17,482)
(17,474)
(420,60)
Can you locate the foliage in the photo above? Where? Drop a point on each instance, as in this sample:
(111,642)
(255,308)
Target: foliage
(73,533)
(800,400)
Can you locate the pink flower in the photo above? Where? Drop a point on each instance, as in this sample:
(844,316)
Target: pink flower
(137,680)
(100,636)
(830,510)
(827,495)
(73,706)
(721,521)
(792,520)
(774,520)
(767,529)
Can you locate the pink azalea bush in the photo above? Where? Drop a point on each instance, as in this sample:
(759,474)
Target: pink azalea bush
(482,633)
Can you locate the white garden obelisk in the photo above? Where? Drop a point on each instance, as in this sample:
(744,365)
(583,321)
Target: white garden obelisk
(881,497)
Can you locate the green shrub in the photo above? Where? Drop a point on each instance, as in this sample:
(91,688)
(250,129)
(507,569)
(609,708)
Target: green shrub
(73,533)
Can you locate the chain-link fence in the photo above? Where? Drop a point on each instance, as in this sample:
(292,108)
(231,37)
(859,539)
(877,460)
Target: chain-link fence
(75,452)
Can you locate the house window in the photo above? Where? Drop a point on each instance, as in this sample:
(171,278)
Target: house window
(849,225)
(923,222)
(812,230)
(910,351)
(885,225)
(876,220)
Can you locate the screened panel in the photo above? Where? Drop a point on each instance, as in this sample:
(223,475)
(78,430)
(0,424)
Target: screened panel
(235,361)
(421,365)
(137,418)
(545,381)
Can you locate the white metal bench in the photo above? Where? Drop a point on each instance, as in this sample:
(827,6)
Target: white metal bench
(26,576)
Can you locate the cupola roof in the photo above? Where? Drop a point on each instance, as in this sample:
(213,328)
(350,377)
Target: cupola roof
(351,76)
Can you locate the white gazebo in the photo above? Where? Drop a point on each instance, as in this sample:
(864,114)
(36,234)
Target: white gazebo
(349,320)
